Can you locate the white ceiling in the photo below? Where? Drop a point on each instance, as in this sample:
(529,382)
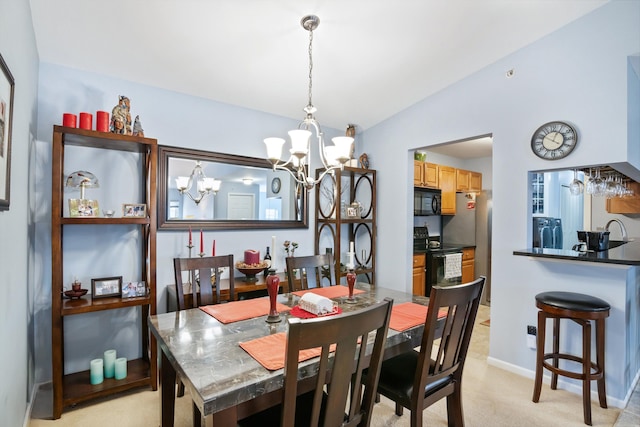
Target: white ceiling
(372,58)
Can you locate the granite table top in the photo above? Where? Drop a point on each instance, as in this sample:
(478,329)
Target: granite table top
(625,254)
(219,374)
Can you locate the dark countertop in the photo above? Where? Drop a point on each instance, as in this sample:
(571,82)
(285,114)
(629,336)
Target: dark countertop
(626,254)
(446,247)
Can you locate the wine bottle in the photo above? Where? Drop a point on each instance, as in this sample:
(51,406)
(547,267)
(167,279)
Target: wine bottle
(267,260)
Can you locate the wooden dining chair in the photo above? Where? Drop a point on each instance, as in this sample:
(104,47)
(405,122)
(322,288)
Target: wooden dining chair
(326,406)
(313,271)
(417,379)
(192,270)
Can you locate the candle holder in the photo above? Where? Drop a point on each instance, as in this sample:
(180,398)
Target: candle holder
(273,283)
(190,246)
(351,281)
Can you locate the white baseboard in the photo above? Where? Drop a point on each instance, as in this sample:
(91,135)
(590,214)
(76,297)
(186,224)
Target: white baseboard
(27,415)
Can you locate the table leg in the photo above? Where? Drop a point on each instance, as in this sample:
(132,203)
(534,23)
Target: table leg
(168,397)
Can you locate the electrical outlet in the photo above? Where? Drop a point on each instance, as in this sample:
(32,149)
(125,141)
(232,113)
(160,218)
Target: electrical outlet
(531,337)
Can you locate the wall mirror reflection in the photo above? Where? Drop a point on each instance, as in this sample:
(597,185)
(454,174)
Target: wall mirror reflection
(216,190)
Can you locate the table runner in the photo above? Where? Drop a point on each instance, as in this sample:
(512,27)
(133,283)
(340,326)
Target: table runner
(269,350)
(329,291)
(242,310)
(408,315)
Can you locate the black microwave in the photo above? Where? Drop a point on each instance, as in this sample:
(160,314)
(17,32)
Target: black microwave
(426,202)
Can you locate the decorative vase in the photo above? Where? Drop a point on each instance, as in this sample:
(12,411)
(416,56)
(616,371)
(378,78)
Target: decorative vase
(351,281)
(273,284)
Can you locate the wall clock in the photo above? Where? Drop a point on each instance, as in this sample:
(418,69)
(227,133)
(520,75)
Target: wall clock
(554,140)
(276,185)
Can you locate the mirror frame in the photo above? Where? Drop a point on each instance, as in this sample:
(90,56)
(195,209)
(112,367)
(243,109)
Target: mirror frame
(166,152)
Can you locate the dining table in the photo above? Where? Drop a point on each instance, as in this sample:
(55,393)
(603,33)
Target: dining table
(225,382)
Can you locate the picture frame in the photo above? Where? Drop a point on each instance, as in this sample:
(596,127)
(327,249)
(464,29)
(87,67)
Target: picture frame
(106,287)
(84,208)
(7,87)
(134,289)
(134,210)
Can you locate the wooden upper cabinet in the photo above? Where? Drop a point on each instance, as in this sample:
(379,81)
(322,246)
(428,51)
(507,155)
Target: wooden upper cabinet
(462,180)
(475,181)
(447,179)
(625,205)
(425,174)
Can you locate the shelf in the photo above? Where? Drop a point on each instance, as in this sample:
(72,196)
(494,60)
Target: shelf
(78,388)
(103,220)
(107,140)
(88,305)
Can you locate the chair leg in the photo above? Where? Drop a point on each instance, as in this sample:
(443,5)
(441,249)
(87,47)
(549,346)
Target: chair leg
(399,409)
(416,417)
(556,351)
(454,407)
(542,322)
(586,371)
(602,392)
(377,400)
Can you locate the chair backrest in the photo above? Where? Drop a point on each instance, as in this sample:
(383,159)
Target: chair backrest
(350,358)
(447,358)
(311,271)
(193,270)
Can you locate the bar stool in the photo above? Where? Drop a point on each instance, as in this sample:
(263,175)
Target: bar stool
(582,309)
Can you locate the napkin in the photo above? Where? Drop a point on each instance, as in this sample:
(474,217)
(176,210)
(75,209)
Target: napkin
(316,304)
(269,350)
(329,292)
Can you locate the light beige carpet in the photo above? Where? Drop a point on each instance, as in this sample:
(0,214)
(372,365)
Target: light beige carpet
(492,397)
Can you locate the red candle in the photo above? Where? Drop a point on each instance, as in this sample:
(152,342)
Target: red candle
(190,240)
(86,121)
(201,242)
(213,251)
(102,121)
(69,120)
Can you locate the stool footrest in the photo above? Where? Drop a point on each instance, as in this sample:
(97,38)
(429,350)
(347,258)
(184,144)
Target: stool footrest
(594,374)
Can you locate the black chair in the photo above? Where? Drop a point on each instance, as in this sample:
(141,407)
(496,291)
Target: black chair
(313,271)
(193,270)
(325,407)
(417,379)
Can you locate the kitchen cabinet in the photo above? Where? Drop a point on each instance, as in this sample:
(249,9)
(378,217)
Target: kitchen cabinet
(425,174)
(419,273)
(72,236)
(447,180)
(335,229)
(462,180)
(475,182)
(468,264)
(625,205)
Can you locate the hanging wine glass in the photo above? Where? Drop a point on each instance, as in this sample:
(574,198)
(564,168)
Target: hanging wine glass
(598,184)
(576,187)
(589,183)
(610,187)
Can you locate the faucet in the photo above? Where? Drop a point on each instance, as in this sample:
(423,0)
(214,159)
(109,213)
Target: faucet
(623,230)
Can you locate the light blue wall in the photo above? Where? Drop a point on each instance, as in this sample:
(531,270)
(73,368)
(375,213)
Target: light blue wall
(578,74)
(17,253)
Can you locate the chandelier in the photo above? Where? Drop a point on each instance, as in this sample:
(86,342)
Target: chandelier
(332,156)
(204,185)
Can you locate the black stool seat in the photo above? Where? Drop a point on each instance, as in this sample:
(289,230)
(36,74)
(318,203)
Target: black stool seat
(582,309)
(572,301)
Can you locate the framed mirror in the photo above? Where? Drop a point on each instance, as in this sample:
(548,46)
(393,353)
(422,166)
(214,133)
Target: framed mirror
(210,190)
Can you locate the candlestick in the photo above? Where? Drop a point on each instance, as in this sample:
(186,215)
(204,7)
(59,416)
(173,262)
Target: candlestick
(274,253)
(190,241)
(213,251)
(201,242)
(351,263)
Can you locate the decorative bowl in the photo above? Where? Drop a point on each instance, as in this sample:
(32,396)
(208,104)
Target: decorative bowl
(71,294)
(251,272)
(109,213)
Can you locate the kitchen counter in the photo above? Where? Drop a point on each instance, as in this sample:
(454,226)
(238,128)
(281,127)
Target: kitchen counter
(446,247)
(626,254)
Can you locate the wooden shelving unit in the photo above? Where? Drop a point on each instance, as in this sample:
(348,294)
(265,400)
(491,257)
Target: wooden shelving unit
(332,226)
(72,388)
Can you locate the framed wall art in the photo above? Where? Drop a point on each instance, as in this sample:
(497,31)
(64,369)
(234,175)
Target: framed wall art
(106,287)
(6,123)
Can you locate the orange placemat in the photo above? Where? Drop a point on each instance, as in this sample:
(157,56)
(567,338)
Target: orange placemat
(242,310)
(409,314)
(269,350)
(330,291)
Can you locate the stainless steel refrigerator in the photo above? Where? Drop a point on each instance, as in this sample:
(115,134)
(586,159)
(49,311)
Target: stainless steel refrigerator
(471,226)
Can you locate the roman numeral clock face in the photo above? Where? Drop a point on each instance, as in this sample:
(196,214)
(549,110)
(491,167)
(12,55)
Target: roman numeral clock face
(554,140)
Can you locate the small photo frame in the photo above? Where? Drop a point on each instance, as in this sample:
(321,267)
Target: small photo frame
(134,210)
(106,287)
(352,212)
(134,289)
(83,208)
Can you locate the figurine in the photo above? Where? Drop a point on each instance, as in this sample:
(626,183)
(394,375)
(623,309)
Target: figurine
(137,127)
(364,161)
(121,114)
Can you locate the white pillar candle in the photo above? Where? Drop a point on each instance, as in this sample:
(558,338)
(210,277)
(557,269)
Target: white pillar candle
(109,363)
(352,247)
(121,368)
(95,371)
(274,253)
